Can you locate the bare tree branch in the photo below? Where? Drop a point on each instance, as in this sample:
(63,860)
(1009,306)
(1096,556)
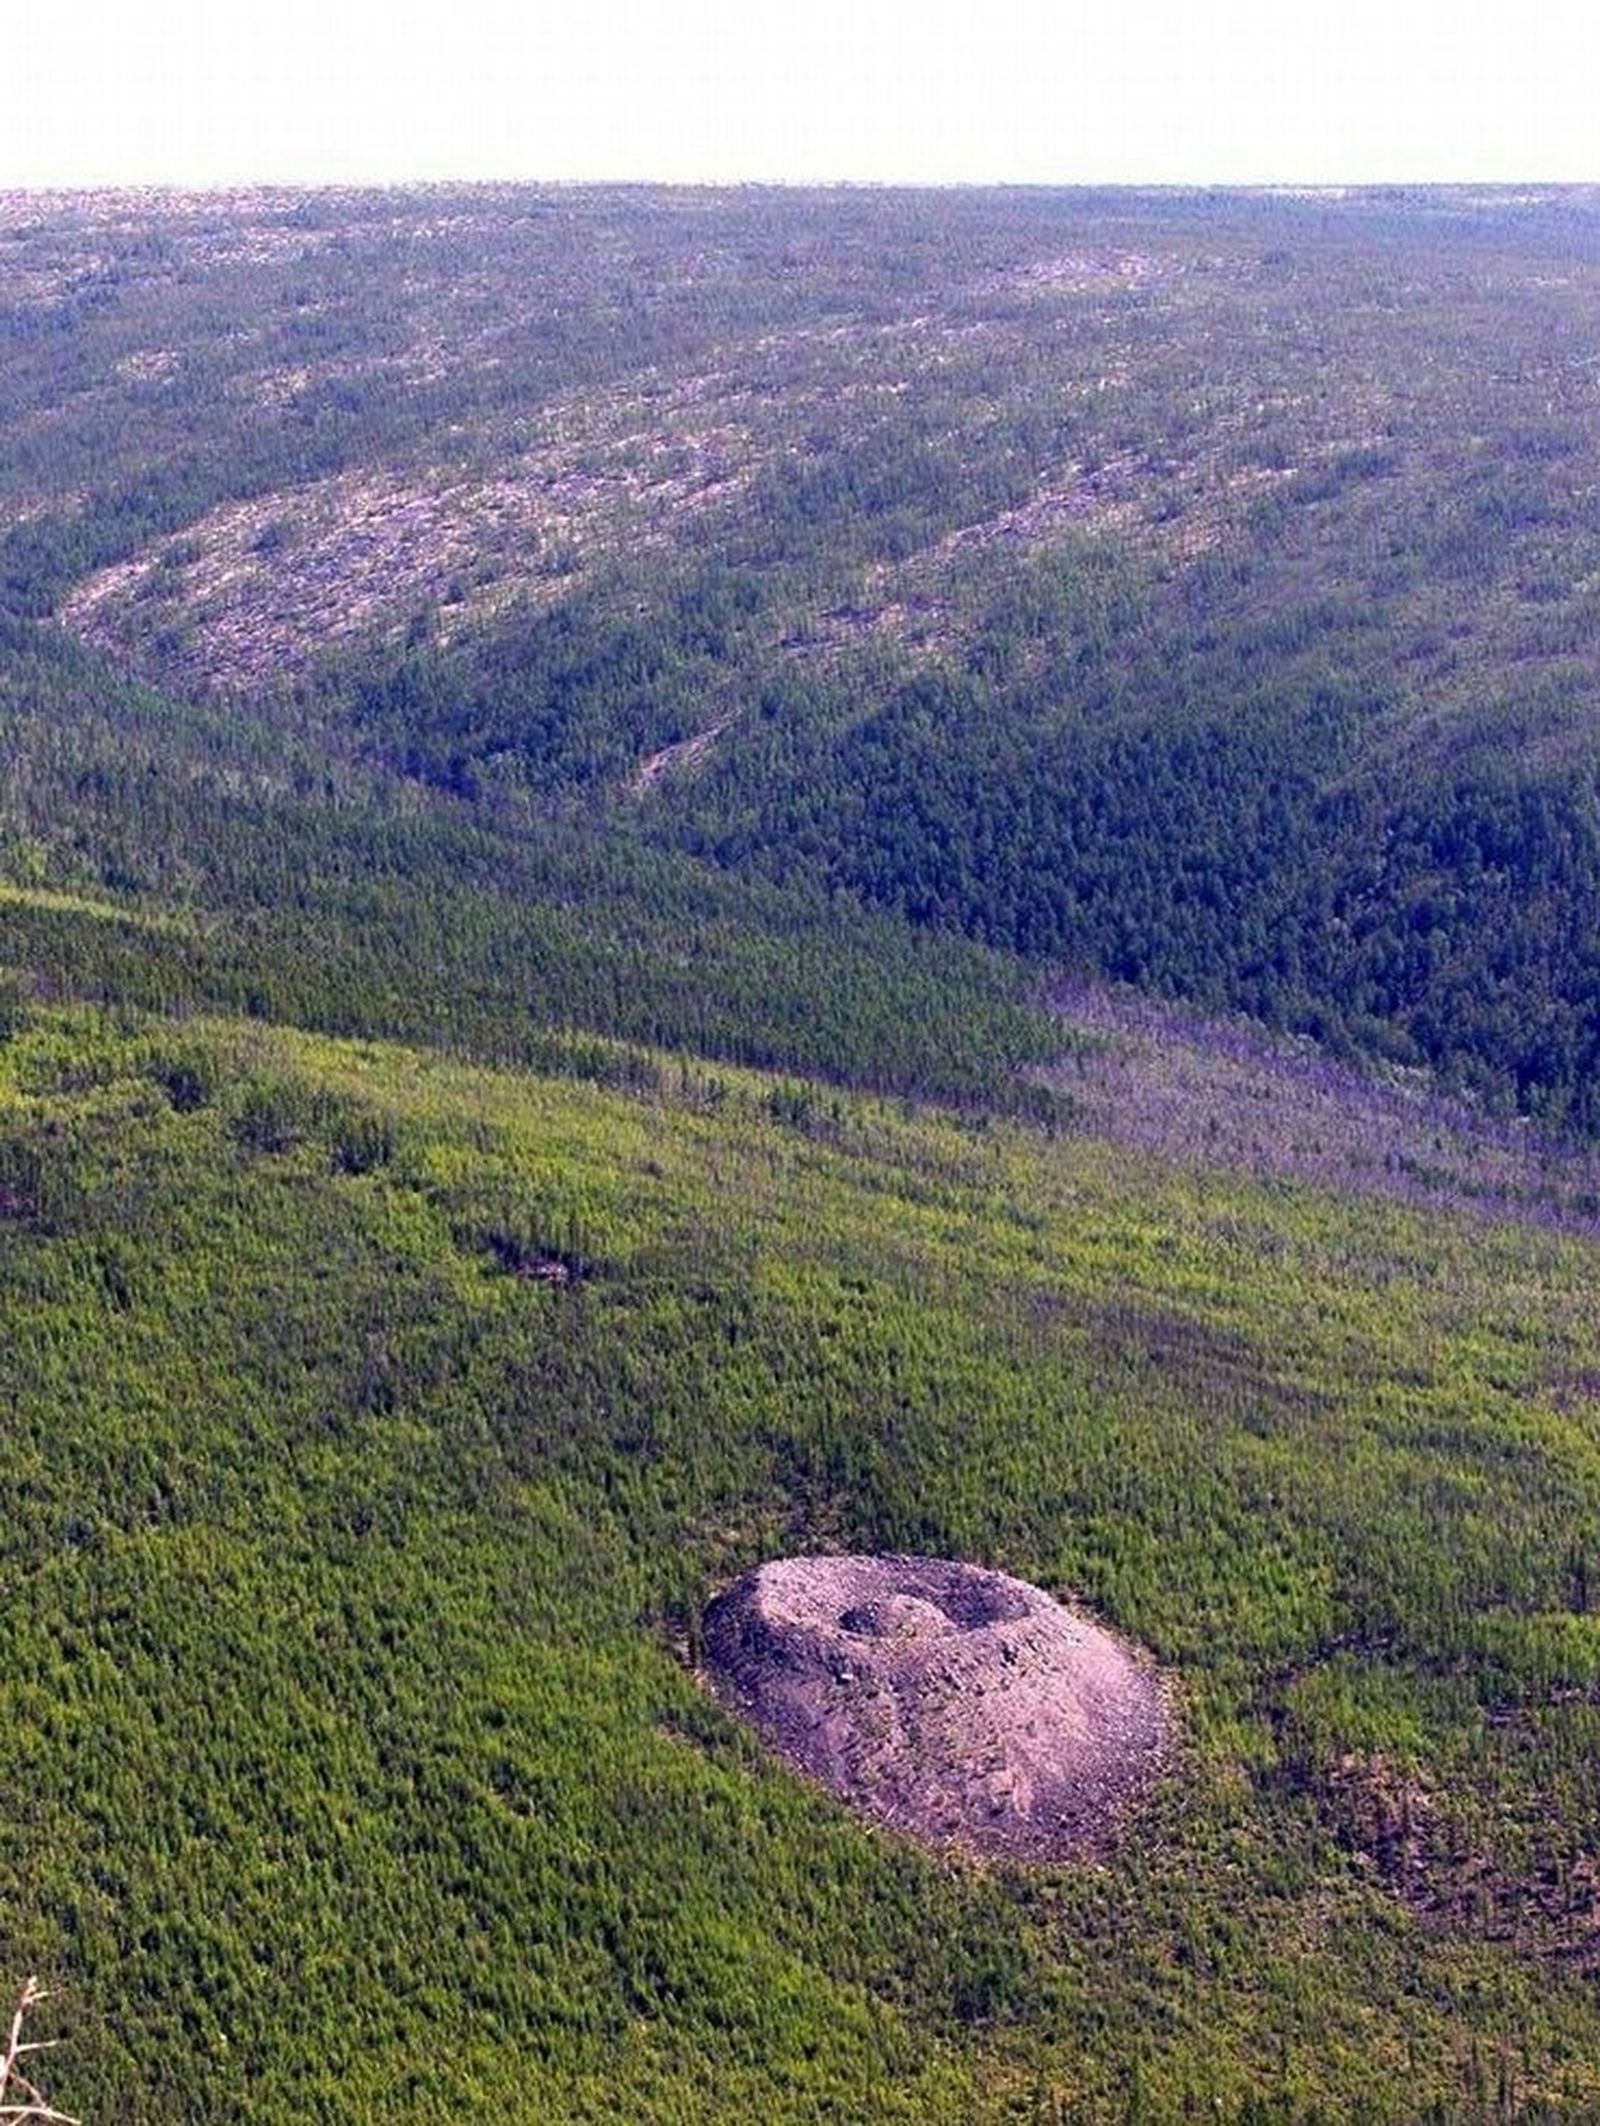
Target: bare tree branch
(34,2105)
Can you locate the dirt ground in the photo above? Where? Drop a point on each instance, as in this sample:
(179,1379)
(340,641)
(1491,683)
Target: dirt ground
(944,1701)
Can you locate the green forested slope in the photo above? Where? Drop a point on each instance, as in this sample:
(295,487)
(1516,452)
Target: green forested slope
(484,676)
(1196,589)
(230,861)
(351,1568)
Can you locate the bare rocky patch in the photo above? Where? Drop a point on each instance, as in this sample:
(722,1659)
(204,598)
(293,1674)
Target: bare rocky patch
(260,589)
(677,759)
(945,1701)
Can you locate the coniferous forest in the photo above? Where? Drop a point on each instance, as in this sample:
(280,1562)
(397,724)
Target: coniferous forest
(687,876)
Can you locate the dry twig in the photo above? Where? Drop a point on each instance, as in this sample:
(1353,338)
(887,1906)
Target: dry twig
(34,2104)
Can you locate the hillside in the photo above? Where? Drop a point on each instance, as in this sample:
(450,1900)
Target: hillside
(689,878)
(1198,590)
(352,1566)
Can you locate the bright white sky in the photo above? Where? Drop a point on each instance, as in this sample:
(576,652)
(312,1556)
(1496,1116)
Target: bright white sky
(1046,91)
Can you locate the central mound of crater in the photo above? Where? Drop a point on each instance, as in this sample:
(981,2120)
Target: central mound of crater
(952,1703)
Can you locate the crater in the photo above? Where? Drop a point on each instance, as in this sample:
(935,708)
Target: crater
(906,1614)
(943,1700)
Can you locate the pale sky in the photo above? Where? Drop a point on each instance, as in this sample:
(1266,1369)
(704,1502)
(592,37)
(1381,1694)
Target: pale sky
(917,91)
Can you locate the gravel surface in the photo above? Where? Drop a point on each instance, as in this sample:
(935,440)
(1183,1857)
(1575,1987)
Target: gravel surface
(945,1701)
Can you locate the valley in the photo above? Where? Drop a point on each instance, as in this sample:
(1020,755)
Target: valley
(698,877)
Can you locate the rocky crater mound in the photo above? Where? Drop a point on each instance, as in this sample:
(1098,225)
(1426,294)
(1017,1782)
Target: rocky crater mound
(952,1703)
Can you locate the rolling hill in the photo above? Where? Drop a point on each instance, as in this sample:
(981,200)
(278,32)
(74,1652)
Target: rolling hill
(690,876)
